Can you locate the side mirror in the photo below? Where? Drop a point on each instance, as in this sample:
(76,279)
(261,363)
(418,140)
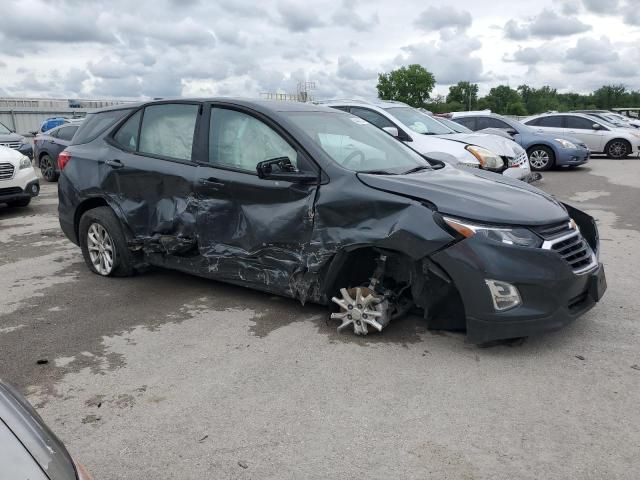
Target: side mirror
(596,126)
(393,131)
(512,131)
(281,168)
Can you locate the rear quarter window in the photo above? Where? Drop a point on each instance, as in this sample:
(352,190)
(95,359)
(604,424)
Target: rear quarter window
(96,124)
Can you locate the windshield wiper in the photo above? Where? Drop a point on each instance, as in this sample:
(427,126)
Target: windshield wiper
(378,172)
(416,169)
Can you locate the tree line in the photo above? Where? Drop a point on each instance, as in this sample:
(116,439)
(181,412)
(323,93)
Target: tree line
(413,85)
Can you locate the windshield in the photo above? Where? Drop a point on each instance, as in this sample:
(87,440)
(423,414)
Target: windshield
(4,130)
(419,122)
(357,145)
(455,126)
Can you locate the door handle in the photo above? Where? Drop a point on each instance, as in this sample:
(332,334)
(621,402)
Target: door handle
(115,164)
(212,182)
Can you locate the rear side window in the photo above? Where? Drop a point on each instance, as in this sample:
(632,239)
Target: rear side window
(96,124)
(468,122)
(168,130)
(127,135)
(66,133)
(372,117)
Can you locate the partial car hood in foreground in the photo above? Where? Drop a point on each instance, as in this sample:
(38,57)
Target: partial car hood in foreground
(11,138)
(10,155)
(474,194)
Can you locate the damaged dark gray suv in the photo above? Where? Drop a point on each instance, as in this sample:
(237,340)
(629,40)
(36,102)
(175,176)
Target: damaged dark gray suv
(316,204)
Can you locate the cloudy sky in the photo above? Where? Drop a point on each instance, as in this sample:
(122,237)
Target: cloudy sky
(160,48)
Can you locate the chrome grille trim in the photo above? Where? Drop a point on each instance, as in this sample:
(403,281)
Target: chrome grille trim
(14,145)
(575,250)
(7,170)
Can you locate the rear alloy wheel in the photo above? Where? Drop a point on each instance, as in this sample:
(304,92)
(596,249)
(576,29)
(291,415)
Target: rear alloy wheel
(47,168)
(541,158)
(618,148)
(103,244)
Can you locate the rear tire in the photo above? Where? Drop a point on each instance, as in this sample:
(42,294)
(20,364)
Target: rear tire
(541,158)
(618,148)
(103,243)
(48,169)
(20,203)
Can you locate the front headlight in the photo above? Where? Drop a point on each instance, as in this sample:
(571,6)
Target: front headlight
(488,160)
(566,143)
(511,236)
(25,163)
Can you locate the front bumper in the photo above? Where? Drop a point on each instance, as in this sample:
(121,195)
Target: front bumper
(552,294)
(572,156)
(10,194)
(24,184)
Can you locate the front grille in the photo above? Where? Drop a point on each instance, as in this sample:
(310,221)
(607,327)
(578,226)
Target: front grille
(10,191)
(6,171)
(555,230)
(516,161)
(574,249)
(14,145)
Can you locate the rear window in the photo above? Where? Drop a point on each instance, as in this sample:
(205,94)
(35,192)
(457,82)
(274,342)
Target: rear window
(97,123)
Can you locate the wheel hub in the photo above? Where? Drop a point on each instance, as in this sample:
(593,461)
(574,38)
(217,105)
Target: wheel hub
(101,250)
(360,308)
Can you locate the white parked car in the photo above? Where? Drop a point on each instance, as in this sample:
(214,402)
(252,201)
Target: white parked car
(429,137)
(18,180)
(599,135)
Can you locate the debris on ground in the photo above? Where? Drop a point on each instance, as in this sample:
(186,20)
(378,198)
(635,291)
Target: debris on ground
(42,361)
(635,367)
(203,438)
(243,464)
(579,357)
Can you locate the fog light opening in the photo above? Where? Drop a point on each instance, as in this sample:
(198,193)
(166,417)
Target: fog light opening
(504,295)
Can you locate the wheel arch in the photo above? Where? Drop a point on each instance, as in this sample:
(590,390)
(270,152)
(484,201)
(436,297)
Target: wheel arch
(431,287)
(95,202)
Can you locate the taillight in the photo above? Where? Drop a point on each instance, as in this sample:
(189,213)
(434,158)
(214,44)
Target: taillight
(63,159)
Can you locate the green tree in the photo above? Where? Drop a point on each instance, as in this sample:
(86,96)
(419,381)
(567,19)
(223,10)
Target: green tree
(539,100)
(611,96)
(465,94)
(411,85)
(505,100)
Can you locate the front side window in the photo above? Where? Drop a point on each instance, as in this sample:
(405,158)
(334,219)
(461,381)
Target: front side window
(550,122)
(238,140)
(168,130)
(579,123)
(418,121)
(355,144)
(488,122)
(372,117)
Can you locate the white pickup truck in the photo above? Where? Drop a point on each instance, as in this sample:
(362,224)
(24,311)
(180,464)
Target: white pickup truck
(18,180)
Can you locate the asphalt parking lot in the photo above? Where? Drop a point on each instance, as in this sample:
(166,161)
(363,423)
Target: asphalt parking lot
(165,375)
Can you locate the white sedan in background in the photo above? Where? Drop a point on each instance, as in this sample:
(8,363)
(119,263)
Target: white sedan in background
(426,135)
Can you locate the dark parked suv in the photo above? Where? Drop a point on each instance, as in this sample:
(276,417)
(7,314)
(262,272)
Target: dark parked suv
(316,204)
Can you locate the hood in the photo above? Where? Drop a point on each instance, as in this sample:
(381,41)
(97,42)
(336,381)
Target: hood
(499,145)
(10,155)
(428,144)
(11,138)
(474,194)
